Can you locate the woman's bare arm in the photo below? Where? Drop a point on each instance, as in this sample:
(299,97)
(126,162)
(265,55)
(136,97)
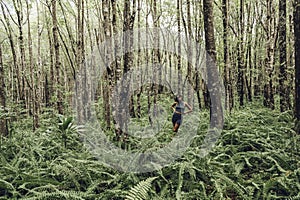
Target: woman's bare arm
(189,107)
(173,106)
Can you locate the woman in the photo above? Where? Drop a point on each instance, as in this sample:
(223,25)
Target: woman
(178,107)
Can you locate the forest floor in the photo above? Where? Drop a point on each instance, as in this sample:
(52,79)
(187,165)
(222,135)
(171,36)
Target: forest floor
(256,157)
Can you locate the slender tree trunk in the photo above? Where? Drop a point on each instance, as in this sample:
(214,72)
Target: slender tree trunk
(297,63)
(15,69)
(124,115)
(198,38)
(38,75)
(140,76)
(248,65)
(190,53)
(269,63)
(3,121)
(283,85)
(57,58)
(117,63)
(109,71)
(82,86)
(216,110)
(227,72)
(33,105)
(19,11)
(156,69)
(49,81)
(241,67)
(179,89)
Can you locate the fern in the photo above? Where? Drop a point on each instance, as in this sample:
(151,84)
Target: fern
(180,180)
(6,186)
(140,191)
(232,185)
(57,195)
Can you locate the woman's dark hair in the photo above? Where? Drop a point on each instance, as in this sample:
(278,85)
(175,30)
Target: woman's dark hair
(177,98)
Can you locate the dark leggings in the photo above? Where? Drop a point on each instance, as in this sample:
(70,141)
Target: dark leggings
(176,119)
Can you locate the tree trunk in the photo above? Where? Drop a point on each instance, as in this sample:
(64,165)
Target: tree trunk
(227,72)
(57,59)
(117,63)
(109,71)
(179,89)
(297,63)
(19,11)
(156,69)
(32,91)
(269,62)
(124,99)
(15,69)
(190,53)
(216,110)
(248,65)
(139,61)
(241,67)
(3,120)
(49,81)
(283,85)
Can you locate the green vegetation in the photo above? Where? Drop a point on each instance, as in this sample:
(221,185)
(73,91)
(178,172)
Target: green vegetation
(257,157)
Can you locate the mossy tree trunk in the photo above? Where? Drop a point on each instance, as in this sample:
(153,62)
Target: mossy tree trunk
(297,63)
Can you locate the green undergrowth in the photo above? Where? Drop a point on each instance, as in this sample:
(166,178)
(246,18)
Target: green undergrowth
(256,157)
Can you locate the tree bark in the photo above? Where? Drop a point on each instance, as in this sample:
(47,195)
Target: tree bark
(229,102)
(109,71)
(269,62)
(156,70)
(49,79)
(241,67)
(216,110)
(15,69)
(19,11)
(179,89)
(139,61)
(283,85)
(190,53)
(57,58)
(3,120)
(32,91)
(297,63)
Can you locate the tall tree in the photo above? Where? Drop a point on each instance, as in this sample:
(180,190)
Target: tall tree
(227,72)
(216,110)
(109,71)
(270,54)
(283,91)
(49,79)
(3,121)
(122,102)
(32,86)
(189,35)
(156,70)
(115,20)
(57,57)
(15,69)
(179,4)
(241,64)
(20,22)
(297,63)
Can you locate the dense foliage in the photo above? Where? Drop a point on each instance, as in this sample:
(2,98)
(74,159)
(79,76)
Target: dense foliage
(257,157)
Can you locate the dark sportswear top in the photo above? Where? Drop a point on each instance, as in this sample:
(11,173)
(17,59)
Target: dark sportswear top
(180,107)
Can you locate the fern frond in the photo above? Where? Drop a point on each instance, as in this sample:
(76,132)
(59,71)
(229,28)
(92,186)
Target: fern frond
(57,195)
(6,185)
(180,180)
(231,184)
(140,191)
